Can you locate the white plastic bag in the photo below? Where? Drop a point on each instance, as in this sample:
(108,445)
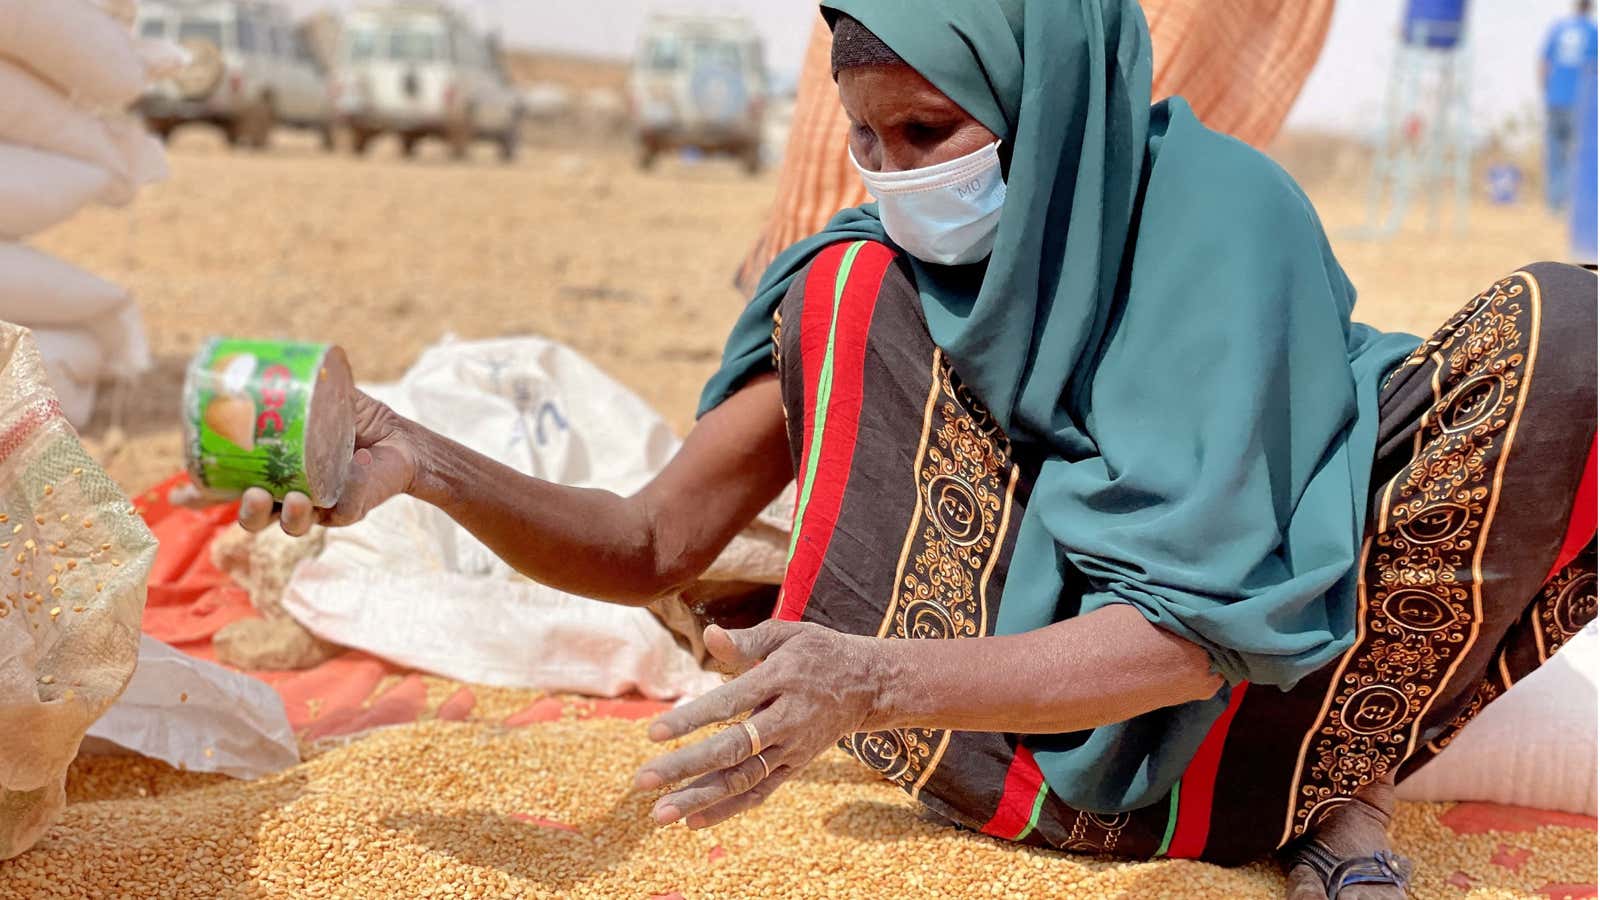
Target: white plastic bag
(197,716)
(1534,746)
(71,601)
(39,190)
(79,47)
(410,585)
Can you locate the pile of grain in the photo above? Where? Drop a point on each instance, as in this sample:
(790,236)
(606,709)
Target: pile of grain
(476,810)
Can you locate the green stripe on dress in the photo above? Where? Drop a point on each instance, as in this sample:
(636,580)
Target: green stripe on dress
(819,417)
(1033,818)
(1172,821)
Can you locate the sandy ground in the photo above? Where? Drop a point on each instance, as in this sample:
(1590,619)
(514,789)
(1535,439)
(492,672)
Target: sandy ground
(634,270)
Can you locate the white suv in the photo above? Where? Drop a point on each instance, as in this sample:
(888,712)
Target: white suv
(251,70)
(699,82)
(418,70)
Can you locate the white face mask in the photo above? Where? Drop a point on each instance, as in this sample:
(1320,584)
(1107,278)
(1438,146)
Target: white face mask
(945,214)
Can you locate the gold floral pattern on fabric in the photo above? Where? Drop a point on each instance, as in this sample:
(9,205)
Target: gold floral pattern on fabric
(1095,832)
(965,481)
(1565,606)
(1420,578)
(777,340)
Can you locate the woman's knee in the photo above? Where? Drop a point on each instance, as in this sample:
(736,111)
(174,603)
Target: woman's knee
(1567,322)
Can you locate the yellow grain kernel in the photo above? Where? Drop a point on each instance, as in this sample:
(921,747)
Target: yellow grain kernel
(77,472)
(77,609)
(49,489)
(183,697)
(38,520)
(88,523)
(55,611)
(47,679)
(17,528)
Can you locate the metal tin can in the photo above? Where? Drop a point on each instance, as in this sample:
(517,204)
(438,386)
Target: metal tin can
(271,414)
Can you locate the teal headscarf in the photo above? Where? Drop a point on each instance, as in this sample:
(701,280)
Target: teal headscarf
(1164,322)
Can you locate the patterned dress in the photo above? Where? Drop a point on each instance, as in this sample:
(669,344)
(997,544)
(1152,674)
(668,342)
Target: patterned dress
(1478,564)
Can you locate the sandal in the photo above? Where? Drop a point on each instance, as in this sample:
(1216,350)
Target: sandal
(1383,867)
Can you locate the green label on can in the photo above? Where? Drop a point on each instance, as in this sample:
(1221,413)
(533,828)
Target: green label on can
(247,403)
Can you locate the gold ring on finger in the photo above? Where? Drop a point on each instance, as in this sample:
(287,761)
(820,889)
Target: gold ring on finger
(755,737)
(766,770)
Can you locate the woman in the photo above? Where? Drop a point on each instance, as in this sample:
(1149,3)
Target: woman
(1082,394)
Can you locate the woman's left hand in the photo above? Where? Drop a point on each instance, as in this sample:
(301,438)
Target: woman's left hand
(812,686)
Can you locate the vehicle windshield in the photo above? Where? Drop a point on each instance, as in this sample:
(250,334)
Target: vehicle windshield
(718,53)
(668,52)
(410,45)
(361,44)
(193,29)
(662,53)
(406,45)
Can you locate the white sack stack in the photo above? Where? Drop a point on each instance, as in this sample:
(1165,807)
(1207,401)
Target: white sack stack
(69,71)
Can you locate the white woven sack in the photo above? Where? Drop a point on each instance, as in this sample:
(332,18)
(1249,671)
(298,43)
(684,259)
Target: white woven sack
(1534,746)
(75,45)
(40,190)
(38,290)
(35,115)
(546,411)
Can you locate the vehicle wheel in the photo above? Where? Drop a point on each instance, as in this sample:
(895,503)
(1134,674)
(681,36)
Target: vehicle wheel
(648,152)
(408,145)
(458,134)
(510,141)
(751,157)
(254,125)
(330,139)
(361,140)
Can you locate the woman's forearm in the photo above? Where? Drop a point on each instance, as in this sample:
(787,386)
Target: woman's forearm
(1093,670)
(629,550)
(582,541)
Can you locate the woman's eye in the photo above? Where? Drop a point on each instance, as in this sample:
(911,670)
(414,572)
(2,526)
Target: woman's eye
(923,134)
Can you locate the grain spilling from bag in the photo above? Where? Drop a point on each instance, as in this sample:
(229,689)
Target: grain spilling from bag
(475,810)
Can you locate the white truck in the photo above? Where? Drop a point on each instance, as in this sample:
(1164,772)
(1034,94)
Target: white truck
(419,70)
(699,82)
(251,71)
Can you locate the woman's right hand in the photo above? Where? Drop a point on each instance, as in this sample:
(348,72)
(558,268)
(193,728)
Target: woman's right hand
(384,466)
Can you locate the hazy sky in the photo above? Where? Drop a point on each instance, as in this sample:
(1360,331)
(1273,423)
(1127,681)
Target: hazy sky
(1345,92)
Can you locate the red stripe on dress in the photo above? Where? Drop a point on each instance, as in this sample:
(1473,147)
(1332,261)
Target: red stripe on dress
(1200,784)
(1017,799)
(1581,528)
(834,463)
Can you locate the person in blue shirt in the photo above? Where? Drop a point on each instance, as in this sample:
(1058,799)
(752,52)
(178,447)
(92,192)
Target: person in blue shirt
(1568,61)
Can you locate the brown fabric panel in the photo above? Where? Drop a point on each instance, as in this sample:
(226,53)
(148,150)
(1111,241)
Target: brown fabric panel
(1480,454)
